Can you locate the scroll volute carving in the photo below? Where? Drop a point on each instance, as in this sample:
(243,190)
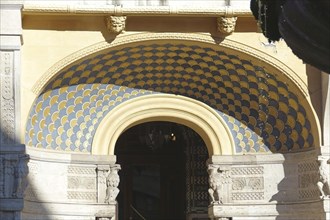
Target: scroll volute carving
(226,25)
(116,24)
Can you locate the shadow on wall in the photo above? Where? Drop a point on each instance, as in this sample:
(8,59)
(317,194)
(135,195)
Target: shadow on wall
(298,195)
(34,209)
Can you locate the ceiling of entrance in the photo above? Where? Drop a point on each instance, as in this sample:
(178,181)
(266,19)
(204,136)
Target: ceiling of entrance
(261,109)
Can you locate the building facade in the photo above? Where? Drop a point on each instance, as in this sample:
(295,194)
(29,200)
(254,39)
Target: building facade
(164,109)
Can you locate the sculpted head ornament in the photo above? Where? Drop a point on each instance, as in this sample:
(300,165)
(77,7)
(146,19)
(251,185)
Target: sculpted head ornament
(226,25)
(116,24)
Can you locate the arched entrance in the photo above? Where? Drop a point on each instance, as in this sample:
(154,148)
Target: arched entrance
(163,172)
(245,106)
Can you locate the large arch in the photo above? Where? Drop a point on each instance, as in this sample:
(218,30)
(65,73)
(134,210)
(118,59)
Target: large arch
(265,104)
(164,107)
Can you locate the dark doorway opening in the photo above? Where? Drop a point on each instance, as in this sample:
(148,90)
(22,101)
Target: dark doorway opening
(152,179)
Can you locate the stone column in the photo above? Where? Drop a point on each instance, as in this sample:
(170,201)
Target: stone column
(13,160)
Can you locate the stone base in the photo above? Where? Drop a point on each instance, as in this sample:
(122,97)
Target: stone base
(269,211)
(67,211)
(11,204)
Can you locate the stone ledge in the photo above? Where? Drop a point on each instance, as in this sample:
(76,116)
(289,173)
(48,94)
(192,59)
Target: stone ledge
(68,209)
(276,158)
(76,158)
(309,210)
(11,204)
(12,149)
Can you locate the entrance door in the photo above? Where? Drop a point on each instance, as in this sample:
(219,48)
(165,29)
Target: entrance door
(152,178)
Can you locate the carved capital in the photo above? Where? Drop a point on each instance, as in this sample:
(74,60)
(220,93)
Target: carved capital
(226,25)
(116,24)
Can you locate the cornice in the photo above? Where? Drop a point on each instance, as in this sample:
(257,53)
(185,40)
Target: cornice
(42,9)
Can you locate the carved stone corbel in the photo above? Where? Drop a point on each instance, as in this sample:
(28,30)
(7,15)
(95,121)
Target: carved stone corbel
(323,182)
(226,25)
(112,182)
(219,180)
(116,24)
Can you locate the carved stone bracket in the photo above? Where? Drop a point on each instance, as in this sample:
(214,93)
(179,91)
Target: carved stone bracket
(108,181)
(116,24)
(323,180)
(219,180)
(112,182)
(235,184)
(226,25)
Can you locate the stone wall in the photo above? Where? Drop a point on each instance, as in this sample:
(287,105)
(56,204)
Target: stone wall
(266,187)
(68,186)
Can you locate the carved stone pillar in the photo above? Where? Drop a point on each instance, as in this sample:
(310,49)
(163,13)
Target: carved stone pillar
(13,160)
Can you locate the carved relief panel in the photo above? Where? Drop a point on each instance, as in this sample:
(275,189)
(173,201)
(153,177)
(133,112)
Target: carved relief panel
(7,99)
(82,183)
(307,180)
(235,184)
(247,183)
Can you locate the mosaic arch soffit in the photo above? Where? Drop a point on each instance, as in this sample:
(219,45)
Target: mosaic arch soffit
(260,99)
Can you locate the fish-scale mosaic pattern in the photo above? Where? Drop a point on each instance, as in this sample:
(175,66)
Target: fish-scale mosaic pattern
(262,112)
(66,118)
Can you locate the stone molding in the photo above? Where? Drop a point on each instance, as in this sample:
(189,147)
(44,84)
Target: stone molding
(76,158)
(165,107)
(36,210)
(268,211)
(42,9)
